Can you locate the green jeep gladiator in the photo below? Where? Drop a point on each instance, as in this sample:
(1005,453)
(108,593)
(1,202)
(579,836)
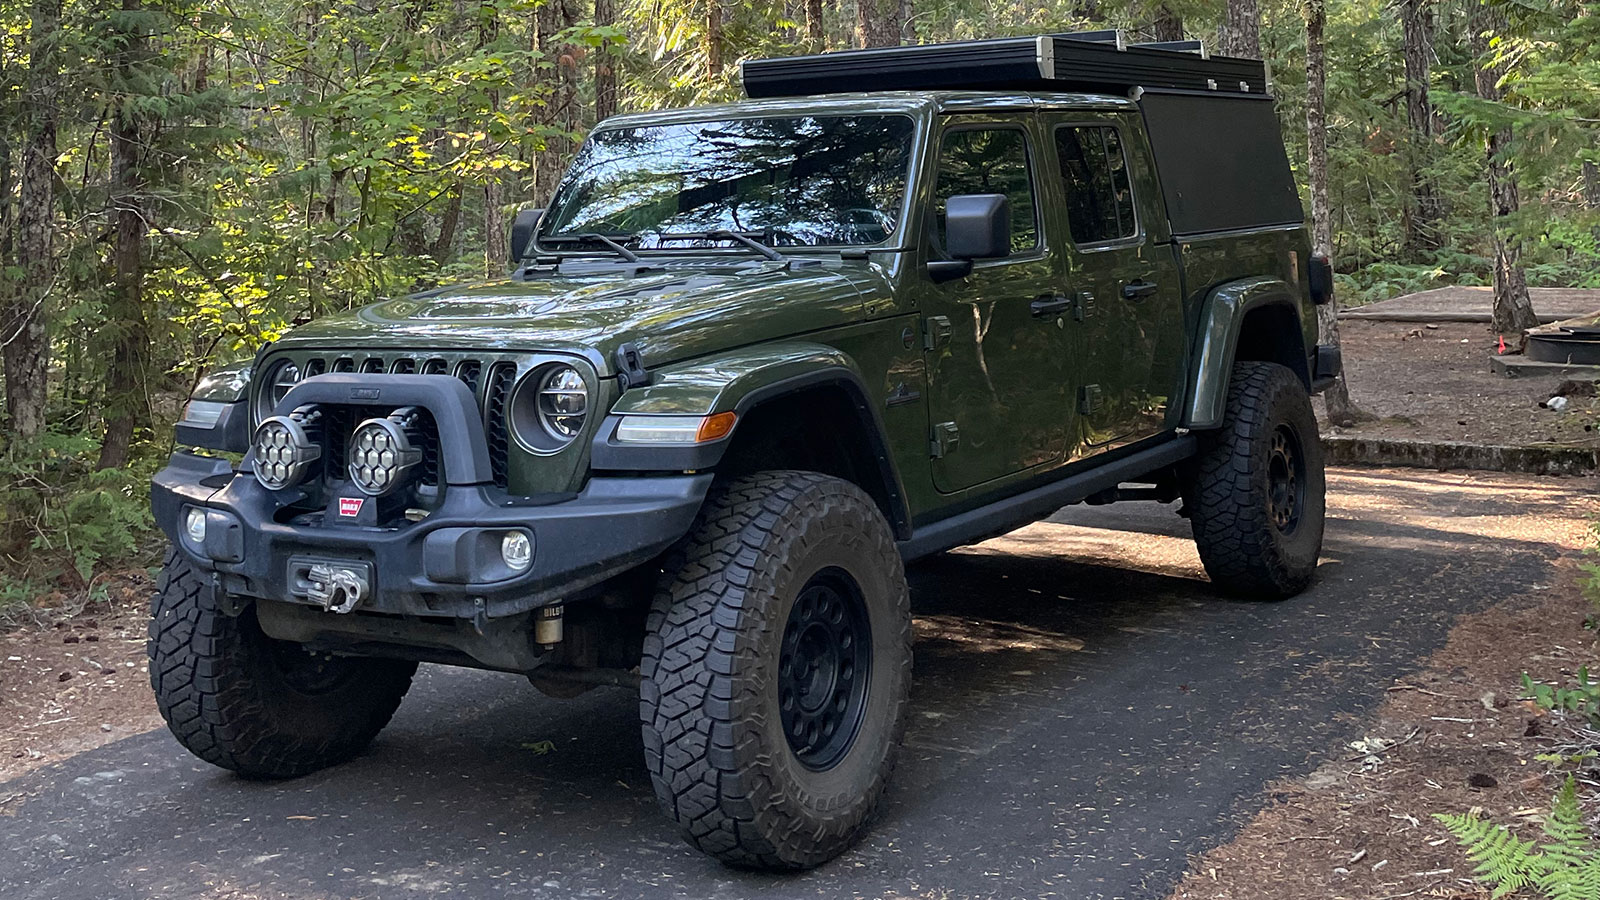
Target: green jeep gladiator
(753,360)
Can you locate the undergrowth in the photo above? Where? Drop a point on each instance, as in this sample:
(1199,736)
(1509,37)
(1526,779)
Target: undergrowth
(1564,866)
(66,523)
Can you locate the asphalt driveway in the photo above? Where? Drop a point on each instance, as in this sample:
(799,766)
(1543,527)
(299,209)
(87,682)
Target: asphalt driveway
(1087,714)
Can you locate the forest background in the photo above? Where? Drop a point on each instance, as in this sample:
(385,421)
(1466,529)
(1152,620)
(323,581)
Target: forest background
(182,180)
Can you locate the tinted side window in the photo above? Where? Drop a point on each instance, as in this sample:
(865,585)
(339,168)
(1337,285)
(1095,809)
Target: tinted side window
(990,161)
(1099,199)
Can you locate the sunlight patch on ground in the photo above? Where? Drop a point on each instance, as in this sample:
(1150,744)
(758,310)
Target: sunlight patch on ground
(987,635)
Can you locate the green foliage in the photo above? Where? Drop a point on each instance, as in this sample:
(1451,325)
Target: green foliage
(1565,866)
(1582,698)
(65,517)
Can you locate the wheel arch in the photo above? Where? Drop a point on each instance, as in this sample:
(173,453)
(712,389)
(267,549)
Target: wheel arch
(1248,319)
(799,405)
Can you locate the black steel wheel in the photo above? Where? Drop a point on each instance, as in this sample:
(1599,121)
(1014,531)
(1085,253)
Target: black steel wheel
(1255,492)
(777,663)
(1286,479)
(823,668)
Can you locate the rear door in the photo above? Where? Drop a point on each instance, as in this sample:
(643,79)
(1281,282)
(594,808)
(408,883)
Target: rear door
(1128,300)
(997,366)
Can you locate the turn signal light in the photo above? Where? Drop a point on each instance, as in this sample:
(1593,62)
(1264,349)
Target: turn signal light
(715,428)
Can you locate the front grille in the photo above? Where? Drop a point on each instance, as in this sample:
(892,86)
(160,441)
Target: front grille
(501,376)
(490,378)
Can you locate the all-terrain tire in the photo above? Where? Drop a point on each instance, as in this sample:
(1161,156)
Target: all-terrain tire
(748,586)
(264,708)
(1259,530)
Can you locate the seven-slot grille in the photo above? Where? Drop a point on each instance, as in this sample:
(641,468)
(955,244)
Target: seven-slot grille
(490,379)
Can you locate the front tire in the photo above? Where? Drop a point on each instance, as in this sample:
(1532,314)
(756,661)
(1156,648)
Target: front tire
(777,665)
(1255,494)
(264,708)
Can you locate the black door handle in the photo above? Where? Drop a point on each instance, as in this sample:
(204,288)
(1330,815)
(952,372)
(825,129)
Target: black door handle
(1138,290)
(1049,305)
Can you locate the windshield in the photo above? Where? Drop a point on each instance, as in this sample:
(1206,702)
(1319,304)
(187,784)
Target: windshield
(803,181)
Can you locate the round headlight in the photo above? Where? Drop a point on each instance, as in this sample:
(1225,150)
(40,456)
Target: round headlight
(382,455)
(549,408)
(284,450)
(280,378)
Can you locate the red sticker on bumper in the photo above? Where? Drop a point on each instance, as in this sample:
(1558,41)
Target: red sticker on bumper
(350,507)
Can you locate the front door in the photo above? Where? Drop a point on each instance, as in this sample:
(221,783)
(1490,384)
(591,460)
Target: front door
(1127,299)
(997,363)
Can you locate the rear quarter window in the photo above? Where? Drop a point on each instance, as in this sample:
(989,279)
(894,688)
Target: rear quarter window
(1094,170)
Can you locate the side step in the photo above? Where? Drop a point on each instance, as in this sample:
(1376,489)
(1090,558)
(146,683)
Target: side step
(1031,506)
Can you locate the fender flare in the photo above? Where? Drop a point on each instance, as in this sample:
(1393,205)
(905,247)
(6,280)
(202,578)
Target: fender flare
(1222,318)
(739,381)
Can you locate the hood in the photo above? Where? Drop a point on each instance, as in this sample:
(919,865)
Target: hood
(669,315)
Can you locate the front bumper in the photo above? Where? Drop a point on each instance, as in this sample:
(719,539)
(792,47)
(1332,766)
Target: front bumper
(444,565)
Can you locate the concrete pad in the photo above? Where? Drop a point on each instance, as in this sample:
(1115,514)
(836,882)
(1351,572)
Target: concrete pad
(1522,367)
(1474,304)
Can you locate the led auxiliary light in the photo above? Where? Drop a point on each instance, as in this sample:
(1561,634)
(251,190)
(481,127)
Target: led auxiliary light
(382,453)
(284,449)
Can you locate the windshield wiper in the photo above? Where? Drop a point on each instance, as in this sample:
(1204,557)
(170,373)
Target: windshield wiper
(609,240)
(747,238)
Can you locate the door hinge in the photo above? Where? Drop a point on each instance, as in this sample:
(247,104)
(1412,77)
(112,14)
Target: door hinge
(946,438)
(936,332)
(1090,397)
(1082,306)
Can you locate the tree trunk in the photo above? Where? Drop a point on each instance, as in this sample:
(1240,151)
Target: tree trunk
(1166,25)
(1513,309)
(126,326)
(496,244)
(24,315)
(549,163)
(714,38)
(816,38)
(605,62)
(1591,185)
(877,23)
(1423,214)
(1342,410)
(1240,31)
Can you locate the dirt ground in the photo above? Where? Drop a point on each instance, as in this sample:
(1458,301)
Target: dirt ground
(1457,737)
(72,683)
(1432,382)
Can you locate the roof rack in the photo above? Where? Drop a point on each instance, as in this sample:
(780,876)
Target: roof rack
(1083,60)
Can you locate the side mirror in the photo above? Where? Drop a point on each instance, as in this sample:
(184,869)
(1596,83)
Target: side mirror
(976,226)
(522,226)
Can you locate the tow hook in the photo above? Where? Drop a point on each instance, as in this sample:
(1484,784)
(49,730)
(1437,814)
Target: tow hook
(339,589)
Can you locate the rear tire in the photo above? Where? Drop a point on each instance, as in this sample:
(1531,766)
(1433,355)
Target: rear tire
(264,708)
(1255,492)
(777,663)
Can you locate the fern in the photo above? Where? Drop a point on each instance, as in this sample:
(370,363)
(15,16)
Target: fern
(1566,866)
